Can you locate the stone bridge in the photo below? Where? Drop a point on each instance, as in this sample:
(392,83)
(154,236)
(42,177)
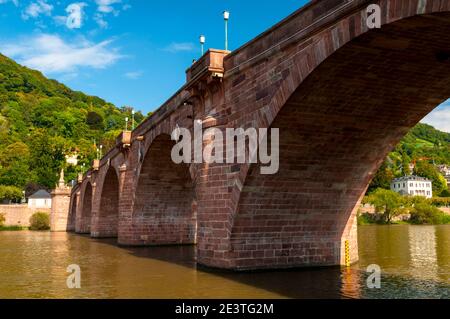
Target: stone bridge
(342,96)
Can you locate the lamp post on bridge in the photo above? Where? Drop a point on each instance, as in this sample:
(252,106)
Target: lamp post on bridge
(226,17)
(202,43)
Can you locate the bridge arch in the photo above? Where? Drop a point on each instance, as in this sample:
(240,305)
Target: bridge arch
(85,218)
(105,221)
(343,104)
(164,201)
(71,220)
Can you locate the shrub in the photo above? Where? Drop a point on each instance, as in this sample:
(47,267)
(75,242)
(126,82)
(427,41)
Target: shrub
(366,219)
(445,219)
(40,221)
(2,220)
(424,213)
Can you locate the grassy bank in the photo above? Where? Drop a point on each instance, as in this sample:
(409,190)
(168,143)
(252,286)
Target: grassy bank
(377,219)
(12,228)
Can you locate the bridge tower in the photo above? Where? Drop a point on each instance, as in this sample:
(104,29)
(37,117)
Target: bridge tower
(60,206)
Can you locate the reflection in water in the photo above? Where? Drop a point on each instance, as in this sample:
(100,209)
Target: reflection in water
(422,247)
(415,263)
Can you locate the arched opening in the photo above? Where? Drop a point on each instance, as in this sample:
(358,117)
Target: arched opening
(335,130)
(164,200)
(86,214)
(106,223)
(72,214)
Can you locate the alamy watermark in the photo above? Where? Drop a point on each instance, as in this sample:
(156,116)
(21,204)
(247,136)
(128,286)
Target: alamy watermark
(373,16)
(74,279)
(231,149)
(373,281)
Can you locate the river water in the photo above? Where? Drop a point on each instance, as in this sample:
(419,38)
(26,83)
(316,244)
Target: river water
(415,263)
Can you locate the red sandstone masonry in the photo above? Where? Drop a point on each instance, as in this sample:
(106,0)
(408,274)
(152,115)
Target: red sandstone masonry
(342,97)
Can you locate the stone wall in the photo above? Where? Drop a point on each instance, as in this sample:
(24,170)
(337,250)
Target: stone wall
(19,214)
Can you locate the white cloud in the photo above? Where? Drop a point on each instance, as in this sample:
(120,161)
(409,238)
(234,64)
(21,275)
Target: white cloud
(134,75)
(439,118)
(106,6)
(179,47)
(35,9)
(102,23)
(75,15)
(51,54)
(15,2)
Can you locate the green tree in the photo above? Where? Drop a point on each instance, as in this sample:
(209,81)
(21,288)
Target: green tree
(10,193)
(383,178)
(387,202)
(47,158)
(427,170)
(424,213)
(14,165)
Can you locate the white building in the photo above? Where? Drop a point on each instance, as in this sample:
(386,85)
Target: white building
(40,199)
(445,170)
(413,185)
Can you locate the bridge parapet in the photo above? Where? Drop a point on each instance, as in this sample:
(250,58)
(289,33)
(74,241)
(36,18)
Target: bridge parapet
(123,141)
(210,64)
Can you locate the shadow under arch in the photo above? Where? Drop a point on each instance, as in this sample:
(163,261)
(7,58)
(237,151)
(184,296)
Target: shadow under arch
(105,222)
(164,209)
(71,220)
(86,211)
(336,128)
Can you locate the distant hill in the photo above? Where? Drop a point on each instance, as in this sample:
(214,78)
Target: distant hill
(424,141)
(424,147)
(42,120)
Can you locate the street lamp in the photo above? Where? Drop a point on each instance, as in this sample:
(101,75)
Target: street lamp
(226,17)
(132,119)
(126,124)
(202,43)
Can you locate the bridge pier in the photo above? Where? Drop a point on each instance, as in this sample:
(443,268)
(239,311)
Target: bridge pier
(163,211)
(59,217)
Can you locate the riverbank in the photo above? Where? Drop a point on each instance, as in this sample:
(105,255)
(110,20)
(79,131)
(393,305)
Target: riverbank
(432,218)
(13,228)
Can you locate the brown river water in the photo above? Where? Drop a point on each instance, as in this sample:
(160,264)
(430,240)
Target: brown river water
(415,263)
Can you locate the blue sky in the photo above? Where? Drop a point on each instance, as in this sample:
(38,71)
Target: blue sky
(133,52)
(129,52)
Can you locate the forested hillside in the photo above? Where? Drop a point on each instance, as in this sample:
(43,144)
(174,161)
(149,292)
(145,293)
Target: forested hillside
(423,146)
(42,121)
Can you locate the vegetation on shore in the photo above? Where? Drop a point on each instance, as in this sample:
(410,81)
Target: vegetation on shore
(13,228)
(9,228)
(417,210)
(40,221)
